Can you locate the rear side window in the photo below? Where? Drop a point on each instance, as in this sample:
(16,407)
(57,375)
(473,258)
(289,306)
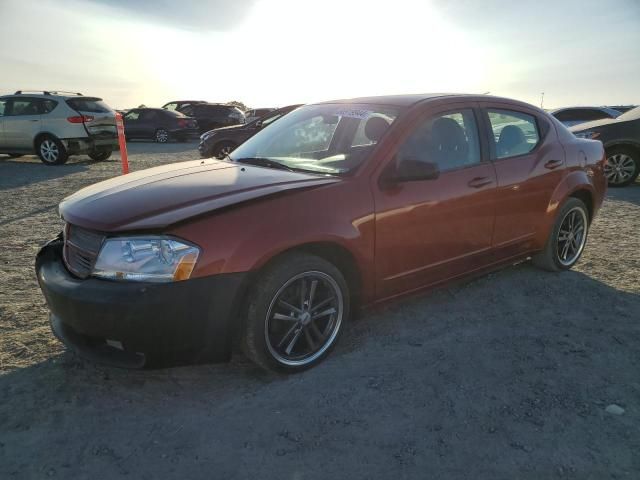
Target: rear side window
(93,105)
(514,133)
(47,106)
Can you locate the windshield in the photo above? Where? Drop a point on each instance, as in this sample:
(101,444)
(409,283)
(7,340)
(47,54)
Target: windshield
(631,114)
(328,138)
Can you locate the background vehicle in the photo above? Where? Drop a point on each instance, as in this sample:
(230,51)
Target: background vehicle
(221,141)
(55,125)
(621,139)
(576,115)
(213,115)
(158,124)
(183,106)
(256,113)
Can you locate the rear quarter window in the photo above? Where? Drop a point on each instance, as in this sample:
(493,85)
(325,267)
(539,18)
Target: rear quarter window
(93,105)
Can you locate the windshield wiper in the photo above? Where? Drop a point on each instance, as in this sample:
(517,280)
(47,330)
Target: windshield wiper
(264,162)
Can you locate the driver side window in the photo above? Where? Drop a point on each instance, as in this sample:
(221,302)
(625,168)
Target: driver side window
(448,141)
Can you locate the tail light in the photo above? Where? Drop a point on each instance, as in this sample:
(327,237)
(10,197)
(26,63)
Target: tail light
(80,119)
(182,123)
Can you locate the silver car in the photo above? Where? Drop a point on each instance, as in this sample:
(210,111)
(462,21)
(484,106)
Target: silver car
(55,125)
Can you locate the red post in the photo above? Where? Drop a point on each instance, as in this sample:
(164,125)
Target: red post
(122,141)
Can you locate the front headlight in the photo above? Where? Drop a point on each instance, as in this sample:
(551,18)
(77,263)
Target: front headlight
(591,135)
(146,259)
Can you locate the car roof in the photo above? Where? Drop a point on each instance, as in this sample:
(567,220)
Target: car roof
(582,107)
(47,94)
(412,99)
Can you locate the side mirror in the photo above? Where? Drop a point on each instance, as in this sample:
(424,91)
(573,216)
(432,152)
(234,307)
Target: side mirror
(410,169)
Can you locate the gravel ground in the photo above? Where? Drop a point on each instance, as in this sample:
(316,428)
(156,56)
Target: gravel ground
(509,376)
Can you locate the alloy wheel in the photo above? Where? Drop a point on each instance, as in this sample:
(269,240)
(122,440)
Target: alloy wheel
(572,236)
(162,136)
(49,151)
(619,168)
(304,318)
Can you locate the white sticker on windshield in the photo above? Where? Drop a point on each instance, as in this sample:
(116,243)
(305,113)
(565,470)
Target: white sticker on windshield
(354,113)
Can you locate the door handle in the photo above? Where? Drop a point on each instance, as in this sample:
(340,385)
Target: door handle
(480,182)
(551,164)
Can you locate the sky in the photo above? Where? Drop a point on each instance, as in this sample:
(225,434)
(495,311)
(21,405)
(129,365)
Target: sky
(270,53)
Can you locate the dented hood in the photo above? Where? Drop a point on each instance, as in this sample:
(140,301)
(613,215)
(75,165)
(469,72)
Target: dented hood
(161,196)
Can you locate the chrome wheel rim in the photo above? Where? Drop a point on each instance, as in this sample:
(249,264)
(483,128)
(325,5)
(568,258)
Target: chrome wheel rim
(162,136)
(304,318)
(49,151)
(224,151)
(572,236)
(619,168)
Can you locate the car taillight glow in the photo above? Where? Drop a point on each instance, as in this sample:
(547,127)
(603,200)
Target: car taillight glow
(80,119)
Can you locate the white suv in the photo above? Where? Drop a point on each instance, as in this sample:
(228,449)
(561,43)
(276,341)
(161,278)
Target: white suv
(54,125)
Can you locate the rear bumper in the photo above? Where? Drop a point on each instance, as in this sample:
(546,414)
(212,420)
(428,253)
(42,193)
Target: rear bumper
(131,324)
(76,146)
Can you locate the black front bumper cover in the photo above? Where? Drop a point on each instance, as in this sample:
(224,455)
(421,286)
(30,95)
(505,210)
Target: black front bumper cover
(149,323)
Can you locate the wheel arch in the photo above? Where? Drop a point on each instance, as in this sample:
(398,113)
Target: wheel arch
(40,135)
(622,143)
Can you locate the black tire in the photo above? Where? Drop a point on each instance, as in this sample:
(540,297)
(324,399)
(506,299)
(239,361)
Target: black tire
(220,149)
(100,155)
(551,256)
(161,136)
(261,330)
(623,166)
(51,150)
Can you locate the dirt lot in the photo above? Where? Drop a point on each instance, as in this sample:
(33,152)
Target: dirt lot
(507,376)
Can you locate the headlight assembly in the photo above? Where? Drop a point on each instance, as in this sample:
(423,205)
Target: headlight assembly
(146,259)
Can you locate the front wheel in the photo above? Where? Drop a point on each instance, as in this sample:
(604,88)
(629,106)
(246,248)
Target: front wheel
(100,155)
(51,151)
(296,313)
(162,136)
(622,167)
(567,239)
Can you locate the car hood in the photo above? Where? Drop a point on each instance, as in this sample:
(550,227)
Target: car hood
(161,196)
(589,125)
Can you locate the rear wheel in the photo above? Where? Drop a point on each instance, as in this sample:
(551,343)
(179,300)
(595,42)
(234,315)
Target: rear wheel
(622,167)
(51,150)
(296,312)
(100,155)
(162,136)
(567,239)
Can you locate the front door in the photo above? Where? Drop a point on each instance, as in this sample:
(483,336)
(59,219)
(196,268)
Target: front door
(431,230)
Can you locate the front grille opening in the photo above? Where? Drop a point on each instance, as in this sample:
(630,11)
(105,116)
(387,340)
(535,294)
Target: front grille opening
(81,248)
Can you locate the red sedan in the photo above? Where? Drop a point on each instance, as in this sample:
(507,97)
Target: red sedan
(338,205)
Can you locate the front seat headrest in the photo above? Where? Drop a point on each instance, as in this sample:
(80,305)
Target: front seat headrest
(375,128)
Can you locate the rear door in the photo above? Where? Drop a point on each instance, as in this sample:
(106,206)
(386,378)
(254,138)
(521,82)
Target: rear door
(100,119)
(22,122)
(149,122)
(529,164)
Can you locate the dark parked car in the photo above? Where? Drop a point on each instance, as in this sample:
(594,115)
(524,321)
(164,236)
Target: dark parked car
(183,106)
(222,141)
(213,115)
(158,124)
(576,115)
(621,139)
(336,206)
